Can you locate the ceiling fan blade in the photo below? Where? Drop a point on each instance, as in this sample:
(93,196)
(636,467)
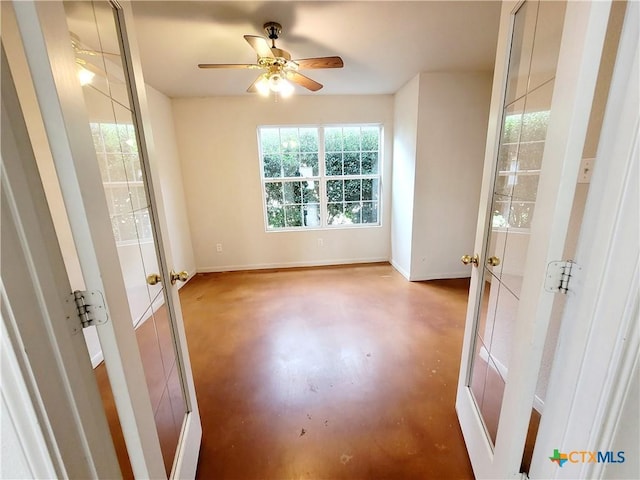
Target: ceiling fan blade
(260,45)
(228,65)
(306,82)
(82,49)
(94,53)
(320,62)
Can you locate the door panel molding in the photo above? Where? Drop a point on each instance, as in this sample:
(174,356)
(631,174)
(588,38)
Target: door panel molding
(582,40)
(43,27)
(188,449)
(591,372)
(43,30)
(578,65)
(50,360)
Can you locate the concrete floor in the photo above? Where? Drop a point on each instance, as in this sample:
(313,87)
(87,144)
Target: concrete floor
(328,373)
(324,373)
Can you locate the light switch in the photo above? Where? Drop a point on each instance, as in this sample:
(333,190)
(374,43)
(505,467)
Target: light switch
(586,167)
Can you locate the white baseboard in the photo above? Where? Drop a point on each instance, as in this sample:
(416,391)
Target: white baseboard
(400,270)
(306,263)
(412,277)
(97,359)
(538,404)
(439,276)
(324,263)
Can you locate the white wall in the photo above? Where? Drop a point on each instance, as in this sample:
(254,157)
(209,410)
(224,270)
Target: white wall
(171,182)
(441,127)
(218,149)
(404,174)
(452,131)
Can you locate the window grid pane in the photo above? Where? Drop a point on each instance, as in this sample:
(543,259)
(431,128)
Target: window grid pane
(289,152)
(294,188)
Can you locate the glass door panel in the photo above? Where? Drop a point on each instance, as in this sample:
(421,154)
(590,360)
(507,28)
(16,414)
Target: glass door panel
(524,221)
(521,49)
(96,45)
(525,185)
(489,371)
(524,126)
(544,57)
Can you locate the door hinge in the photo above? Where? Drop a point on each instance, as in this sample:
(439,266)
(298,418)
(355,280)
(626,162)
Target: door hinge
(559,275)
(90,308)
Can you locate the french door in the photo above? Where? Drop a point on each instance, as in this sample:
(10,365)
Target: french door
(546,68)
(87,77)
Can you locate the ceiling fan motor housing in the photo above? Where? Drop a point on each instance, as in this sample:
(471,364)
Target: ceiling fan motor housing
(273,30)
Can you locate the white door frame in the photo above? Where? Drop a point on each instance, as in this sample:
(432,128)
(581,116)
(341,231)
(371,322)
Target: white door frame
(188,448)
(578,64)
(62,429)
(599,340)
(46,42)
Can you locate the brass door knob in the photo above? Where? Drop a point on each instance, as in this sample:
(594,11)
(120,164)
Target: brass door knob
(467,259)
(154,279)
(182,276)
(493,261)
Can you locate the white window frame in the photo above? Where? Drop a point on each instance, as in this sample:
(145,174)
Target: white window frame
(322,178)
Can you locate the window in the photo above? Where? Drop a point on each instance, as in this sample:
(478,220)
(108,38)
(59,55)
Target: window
(117,152)
(317,177)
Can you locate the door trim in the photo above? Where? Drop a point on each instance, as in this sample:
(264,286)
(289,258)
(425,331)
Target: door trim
(69,437)
(582,39)
(591,372)
(45,38)
(481,453)
(188,448)
(578,64)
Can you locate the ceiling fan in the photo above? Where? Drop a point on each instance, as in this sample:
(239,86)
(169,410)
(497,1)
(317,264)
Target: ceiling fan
(279,68)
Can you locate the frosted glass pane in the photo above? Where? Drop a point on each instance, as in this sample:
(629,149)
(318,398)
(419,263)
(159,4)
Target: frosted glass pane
(521,49)
(546,47)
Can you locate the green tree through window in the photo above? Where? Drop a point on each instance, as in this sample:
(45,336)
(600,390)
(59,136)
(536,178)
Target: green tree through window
(519,161)
(316,177)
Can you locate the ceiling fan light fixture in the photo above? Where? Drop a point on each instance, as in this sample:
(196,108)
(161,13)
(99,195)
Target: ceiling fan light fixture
(274,82)
(262,85)
(85,76)
(281,71)
(286,89)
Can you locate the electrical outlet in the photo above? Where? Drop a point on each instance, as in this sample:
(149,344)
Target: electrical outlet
(219,247)
(320,242)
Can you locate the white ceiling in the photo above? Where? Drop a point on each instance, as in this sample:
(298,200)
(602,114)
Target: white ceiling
(383,43)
